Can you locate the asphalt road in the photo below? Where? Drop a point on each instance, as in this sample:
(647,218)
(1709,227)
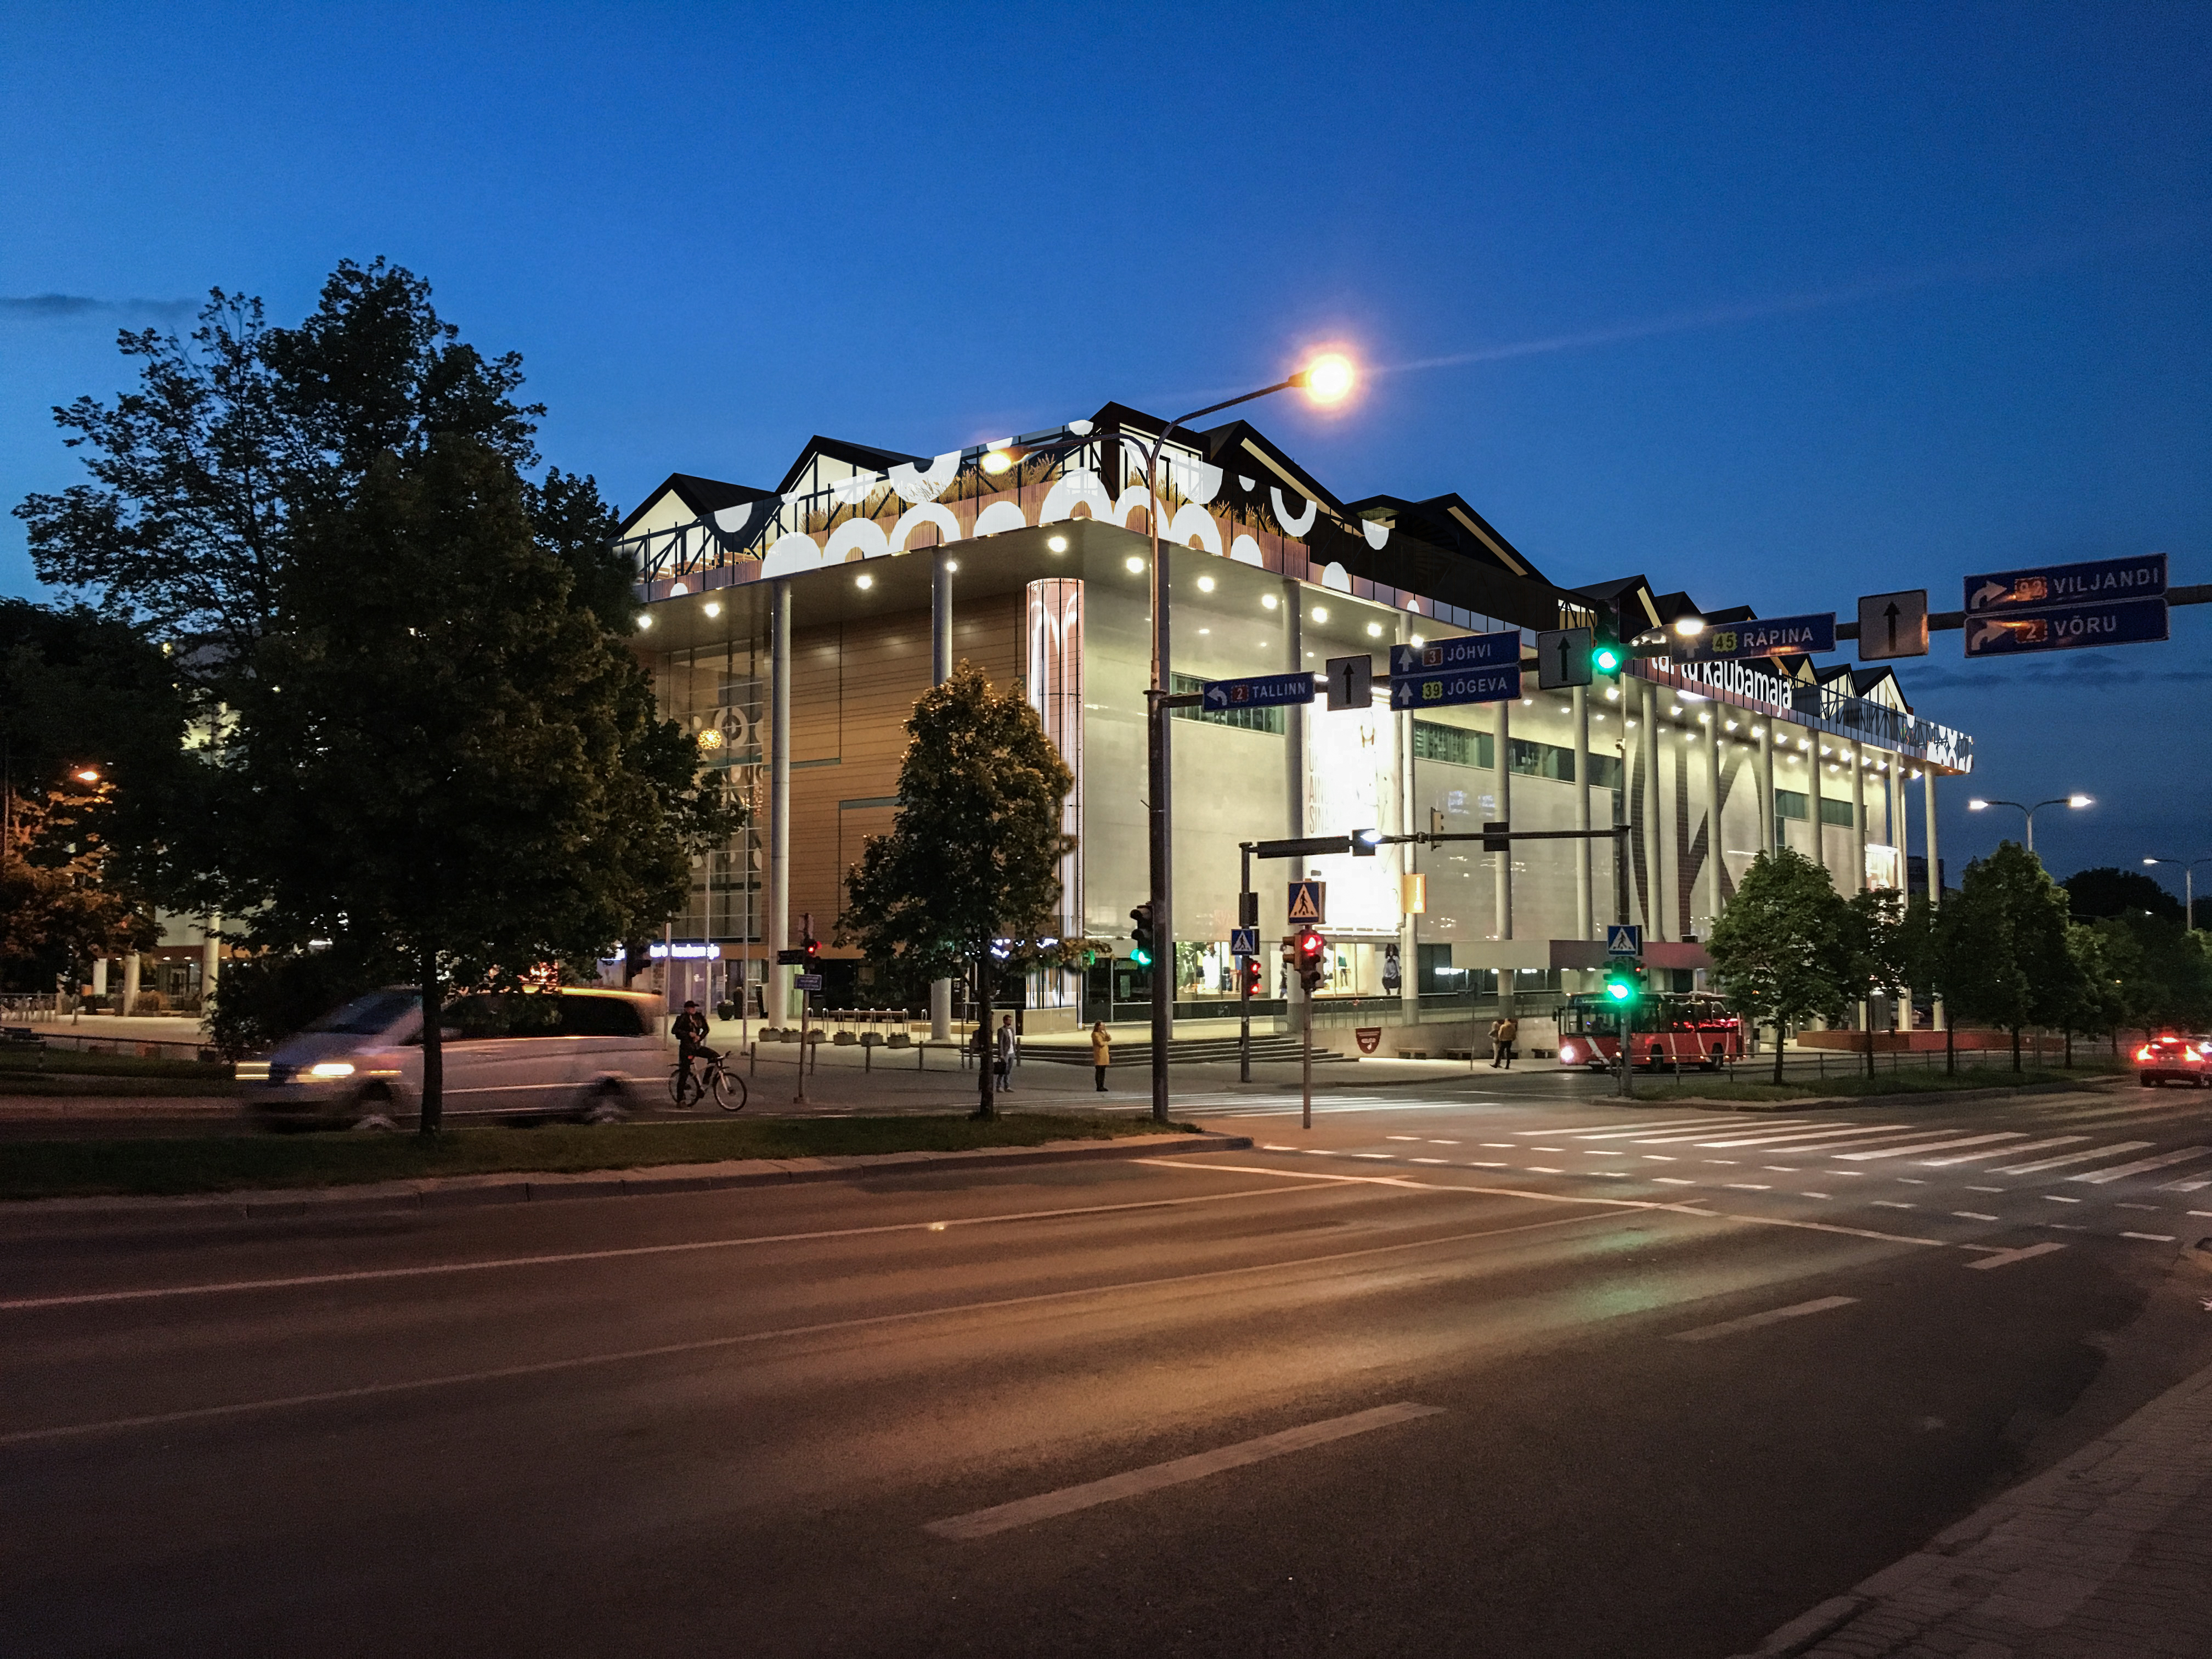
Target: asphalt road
(792,1422)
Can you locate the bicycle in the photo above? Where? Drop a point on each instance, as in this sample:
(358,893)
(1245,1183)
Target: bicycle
(685,1087)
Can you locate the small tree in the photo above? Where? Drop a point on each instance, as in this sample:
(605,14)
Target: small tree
(1779,947)
(2004,956)
(58,909)
(1877,952)
(967,880)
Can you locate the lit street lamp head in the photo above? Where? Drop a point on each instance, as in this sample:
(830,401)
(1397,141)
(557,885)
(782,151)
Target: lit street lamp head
(2079,800)
(1327,379)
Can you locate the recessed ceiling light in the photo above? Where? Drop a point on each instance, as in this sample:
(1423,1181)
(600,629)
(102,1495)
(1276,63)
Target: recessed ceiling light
(1375,630)
(1267,601)
(644,621)
(1133,562)
(1321,613)
(864,582)
(1058,543)
(1206,584)
(714,607)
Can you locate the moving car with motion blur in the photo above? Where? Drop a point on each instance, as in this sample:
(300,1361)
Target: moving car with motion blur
(2184,1060)
(1665,1028)
(572,1053)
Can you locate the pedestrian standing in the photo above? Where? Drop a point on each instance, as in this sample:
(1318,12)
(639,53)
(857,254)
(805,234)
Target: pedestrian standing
(1007,1053)
(1507,1029)
(1102,1053)
(1496,1026)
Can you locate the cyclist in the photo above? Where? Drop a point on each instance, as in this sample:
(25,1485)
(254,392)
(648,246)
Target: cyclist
(690,1031)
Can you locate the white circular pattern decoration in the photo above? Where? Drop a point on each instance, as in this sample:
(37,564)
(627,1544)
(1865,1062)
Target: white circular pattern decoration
(914,486)
(948,527)
(1338,577)
(1376,534)
(1193,524)
(1245,550)
(851,492)
(732,520)
(792,553)
(861,539)
(1135,498)
(998,517)
(1293,527)
(1077,483)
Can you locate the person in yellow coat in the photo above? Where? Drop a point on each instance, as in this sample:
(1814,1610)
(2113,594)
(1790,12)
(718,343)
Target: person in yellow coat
(1102,1053)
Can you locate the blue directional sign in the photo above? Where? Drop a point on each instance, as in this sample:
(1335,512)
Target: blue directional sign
(1244,941)
(2066,628)
(1309,901)
(1426,689)
(807,981)
(1623,939)
(1267,691)
(1501,649)
(2056,585)
(1766,636)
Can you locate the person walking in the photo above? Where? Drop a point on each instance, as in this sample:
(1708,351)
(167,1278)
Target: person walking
(1501,1036)
(1006,1044)
(1102,1053)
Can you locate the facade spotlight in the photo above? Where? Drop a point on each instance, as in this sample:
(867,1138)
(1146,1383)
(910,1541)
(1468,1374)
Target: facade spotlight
(996,461)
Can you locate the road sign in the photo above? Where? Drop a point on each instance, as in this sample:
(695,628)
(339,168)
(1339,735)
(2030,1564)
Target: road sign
(1266,691)
(1494,837)
(1309,901)
(1244,941)
(1351,682)
(1766,636)
(2054,586)
(1563,657)
(1461,650)
(1426,690)
(2067,628)
(1623,939)
(791,958)
(1894,625)
(808,981)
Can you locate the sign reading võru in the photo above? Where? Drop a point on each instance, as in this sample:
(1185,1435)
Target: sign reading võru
(1767,636)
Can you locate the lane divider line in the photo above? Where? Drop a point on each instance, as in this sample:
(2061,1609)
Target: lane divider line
(1115,1488)
(2005,1259)
(1772,1316)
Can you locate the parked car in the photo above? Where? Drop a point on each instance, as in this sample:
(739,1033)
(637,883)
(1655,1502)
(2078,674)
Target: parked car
(571,1053)
(2175,1059)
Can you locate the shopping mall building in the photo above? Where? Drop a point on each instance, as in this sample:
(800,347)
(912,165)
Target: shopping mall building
(792,626)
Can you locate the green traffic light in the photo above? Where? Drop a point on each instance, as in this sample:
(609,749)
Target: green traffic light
(1141,956)
(1606,660)
(1621,990)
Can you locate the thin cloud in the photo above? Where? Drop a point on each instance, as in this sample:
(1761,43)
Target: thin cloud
(70,308)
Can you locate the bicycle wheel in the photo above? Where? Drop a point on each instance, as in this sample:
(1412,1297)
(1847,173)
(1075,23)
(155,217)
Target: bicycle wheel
(682,1086)
(729,1090)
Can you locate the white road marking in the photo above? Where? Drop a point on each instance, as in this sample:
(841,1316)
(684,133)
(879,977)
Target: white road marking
(1972,1215)
(1593,1129)
(2134,1206)
(1401,1137)
(1670,1181)
(2053,1198)
(1027,1511)
(1890,1204)
(1748,1186)
(1931,1147)
(1385,1157)
(2074,1158)
(1814,1196)
(1443,1143)
(1477,1163)
(2183,1186)
(1989,1189)
(2006,1151)
(1772,1315)
(1730,1163)
(1538,1169)
(1907,1180)
(2186,1155)
(2011,1256)
(1779,1169)
(562,1258)
(1547,1149)
(2203,1213)
(1428,1160)
(2151,1238)
(1810,1134)
(1642,1128)
(1658,1158)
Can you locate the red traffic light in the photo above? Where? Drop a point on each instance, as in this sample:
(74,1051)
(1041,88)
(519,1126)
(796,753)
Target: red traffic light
(1310,944)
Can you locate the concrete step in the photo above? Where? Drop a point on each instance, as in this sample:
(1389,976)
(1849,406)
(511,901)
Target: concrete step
(1183,1051)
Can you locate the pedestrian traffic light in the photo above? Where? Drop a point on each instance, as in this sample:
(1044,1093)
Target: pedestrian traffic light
(1254,983)
(1312,950)
(1140,934)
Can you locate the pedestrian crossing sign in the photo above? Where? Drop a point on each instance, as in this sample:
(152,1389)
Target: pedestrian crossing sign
(1623,939)
(1309,901)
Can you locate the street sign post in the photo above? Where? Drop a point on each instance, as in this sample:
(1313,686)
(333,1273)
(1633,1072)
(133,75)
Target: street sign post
(1894,625)
(1351,682)
(2066,628)
(1424,689)
(1266,691)
(1623,939)
(1244,941)
(1310,902)
(1766,636)
(2056,586)
(1563,658)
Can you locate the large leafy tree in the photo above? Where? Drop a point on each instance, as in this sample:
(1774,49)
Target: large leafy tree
(59,906)
(1877,953)
(2004,957)
(2109,890)
(1781,947)
(967,880)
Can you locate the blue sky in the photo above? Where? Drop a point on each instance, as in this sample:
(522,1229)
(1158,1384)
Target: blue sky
(1781,303)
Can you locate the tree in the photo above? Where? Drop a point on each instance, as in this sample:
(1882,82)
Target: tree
(967,880)
(58,909)
(2109,964)
(1780,947)
(2004,956)
(1877,953)
(444,751)
(2109,890)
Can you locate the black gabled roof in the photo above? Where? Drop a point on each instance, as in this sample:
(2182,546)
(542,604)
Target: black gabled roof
(1611,596)
(867,457)
(703,497)
(1450,521)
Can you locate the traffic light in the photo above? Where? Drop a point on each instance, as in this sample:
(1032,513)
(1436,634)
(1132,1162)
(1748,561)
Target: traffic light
(1624,986)
(812,946)
(1607,655)
(1140,934)
(1255,983)
(1312,950)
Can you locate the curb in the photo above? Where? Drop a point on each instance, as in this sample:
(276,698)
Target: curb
(525,1187)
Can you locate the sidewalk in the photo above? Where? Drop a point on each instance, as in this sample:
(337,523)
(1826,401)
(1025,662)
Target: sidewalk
(2106,1555)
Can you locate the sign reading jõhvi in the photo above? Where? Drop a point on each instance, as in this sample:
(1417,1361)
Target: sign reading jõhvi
(1501,649)
(1766,636)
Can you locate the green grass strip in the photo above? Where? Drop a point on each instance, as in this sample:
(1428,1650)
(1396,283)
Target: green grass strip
(55,1169)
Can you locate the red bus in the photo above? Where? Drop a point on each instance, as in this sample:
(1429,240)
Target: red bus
(1667,1028)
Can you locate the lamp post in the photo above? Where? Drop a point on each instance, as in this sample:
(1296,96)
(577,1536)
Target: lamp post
(2188,885)
(1327,379)
(2029,813)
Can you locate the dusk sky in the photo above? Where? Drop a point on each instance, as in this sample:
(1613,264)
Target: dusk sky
(1781,304)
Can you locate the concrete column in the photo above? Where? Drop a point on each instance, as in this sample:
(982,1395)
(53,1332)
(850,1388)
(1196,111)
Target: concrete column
(1812,798)
(1585,914)
(778,989)
(1294,748)
(1935,880)
(1767,784)
(99,977)
(1858,816)
(211,956)
(1503,758)
(1655,907)
(1713,836)
(1409,925)
(940,670)
(129,1004)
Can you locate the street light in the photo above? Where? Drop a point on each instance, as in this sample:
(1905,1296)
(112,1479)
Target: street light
(2074,801)
(2188,884)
